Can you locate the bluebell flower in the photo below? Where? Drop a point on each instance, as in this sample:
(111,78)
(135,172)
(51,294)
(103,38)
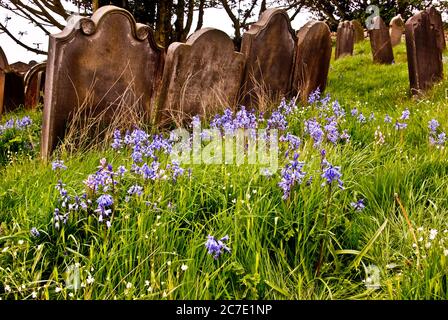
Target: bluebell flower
(135,189)
(195,122)
(345,135)
(175,169)
(313,128)
(361,118)
(433,124)
(58,164)
(277,121)
(354,112)
(105,200)
(293,141)
(291,174)
(117,143)
(372,116)
(34,232)
(217,247)
(405,114)
(337,110)
(400,125)
(331,174)
(314,96)
(387,119)
(150,172)
(358,205)
(331,129)
(23,123)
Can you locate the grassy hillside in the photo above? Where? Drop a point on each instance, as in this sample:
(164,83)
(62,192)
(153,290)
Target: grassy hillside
(383,235)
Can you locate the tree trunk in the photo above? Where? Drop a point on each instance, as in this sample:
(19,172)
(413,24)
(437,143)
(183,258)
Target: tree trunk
(163,23)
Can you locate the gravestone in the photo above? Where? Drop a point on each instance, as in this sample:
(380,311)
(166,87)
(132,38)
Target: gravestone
(424,53)
(14,96)
(269,46)
(345,39)
(312,59)
(359,30)
(20,67)
(201,76)
(396,29)
(380,42)
(34,85)
(436,21)
(103,64)
(3,66)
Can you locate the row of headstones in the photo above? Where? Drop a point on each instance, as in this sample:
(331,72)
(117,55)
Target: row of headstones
(21,84)
(104,59)
(425,42)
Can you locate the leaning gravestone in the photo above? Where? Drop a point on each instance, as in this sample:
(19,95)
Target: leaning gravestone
(269,47)
(14,91)
(359,30)
(396,29)
(345,39)
(100,63)
(424,52)
(3,66)
(436,21)
(201,77)
(380,42)
(34,85)
(312,59)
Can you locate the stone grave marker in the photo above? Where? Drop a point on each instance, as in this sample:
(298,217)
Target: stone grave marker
(201,76)
(345,39)
(102,64)
(269,46)
(34,82)
(3,67)
(424,53)
(396,29)
(359,30)
(312,59)
(380,42)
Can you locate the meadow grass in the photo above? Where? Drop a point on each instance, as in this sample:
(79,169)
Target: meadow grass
(155,247)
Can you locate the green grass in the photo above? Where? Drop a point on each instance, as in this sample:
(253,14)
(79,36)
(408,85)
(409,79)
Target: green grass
(274,242)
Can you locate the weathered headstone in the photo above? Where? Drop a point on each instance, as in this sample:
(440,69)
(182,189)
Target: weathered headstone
(14,91)
(34,85)
(345,39)
(269,46)
(3,66)
(436,21)
(396,29)
(312,59)
(103,63)
(380,42)
(200,77)
(424,53)
(359,30)
(20,67)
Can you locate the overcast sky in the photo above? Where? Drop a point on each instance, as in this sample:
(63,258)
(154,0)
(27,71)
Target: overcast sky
(216,18)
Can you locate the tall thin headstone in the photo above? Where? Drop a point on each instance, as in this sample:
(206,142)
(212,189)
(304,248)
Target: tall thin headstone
(34,85)
(201,76)
(3,66)
(359,30)
(103,63)
(380,42)
(424,52)
(345,39)
(436,21)
(269,47)
(312,59)
(396,29)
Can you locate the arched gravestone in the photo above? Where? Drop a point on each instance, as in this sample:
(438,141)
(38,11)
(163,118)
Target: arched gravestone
(14,91)
(424,52)
(380,42)
(201,76)
(269,46)
(102,63)
(345,39)
(34,85)
(359,30)
(3,66)
(436,21)
(396,29)
(313,58)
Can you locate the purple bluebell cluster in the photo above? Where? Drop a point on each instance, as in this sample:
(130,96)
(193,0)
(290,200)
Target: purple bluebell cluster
(358,205)
(228,122)
(314,130)
(331,130)
(387,119)
(18,124)
(435,137)
(291,174)
(293,142)
(217,247)
(331,174)
(314,96)
(277,121)
(34,232)
(58,164)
